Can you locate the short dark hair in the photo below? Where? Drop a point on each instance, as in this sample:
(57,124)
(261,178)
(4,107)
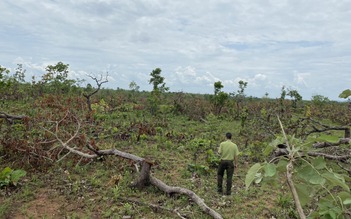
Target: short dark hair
(228,135)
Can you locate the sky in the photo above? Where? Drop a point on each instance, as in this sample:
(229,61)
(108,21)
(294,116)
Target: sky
(303,45)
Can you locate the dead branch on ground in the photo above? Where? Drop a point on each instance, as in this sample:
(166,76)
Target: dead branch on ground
(145,177)
(284,152)
(329,144)
(318,127)
(11,118)
(329,156)
(154,207)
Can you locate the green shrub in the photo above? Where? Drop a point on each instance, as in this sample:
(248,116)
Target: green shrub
(9,177)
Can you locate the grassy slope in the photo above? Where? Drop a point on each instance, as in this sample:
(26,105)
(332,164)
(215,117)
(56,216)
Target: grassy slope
(101,189)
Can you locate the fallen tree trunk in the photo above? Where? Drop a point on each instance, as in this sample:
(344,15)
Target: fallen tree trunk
(329,144)
(170,190)
(144,178)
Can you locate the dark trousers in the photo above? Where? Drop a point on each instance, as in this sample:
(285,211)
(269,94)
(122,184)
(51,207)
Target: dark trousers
(228,166)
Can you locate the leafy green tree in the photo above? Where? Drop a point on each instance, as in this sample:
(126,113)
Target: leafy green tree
(159,87)
(242,87)
(11,85)
(266,95)
(345,94)
(296,97)
(217,87)
(239,97)
(219,98)
(134,87)
(20,74)
(134,90)
(57,72)
(319,100)
(56,78)
(3,77)
(4,72)
(158,81)
(18,81)
(282,98)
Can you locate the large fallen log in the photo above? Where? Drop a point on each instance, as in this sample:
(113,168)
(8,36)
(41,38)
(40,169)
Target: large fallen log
(145,177)
(170,190)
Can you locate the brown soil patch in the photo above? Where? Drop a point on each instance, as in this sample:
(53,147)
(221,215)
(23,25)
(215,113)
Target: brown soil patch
(46,204)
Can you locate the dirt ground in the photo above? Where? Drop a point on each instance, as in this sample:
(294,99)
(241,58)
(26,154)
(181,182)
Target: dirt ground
(46,204)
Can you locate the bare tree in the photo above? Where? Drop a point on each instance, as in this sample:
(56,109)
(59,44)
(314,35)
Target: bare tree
(99,82)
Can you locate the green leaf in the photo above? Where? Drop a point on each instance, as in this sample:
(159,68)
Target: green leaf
(251,175)
(317,180)
(258,178)
(16,175)
(269,170)
(347,201)
(319,163)
(310,175)
(5,173)
(344,195)
(303,193)
(345,94)
(336,181)
(281,166)
(332,214)
(268,150)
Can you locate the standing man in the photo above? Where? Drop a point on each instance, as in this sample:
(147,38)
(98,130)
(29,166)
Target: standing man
(229,161)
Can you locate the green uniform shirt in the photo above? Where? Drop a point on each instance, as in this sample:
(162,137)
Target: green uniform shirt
(228,150)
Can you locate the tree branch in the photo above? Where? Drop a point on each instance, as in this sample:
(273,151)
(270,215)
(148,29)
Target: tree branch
(329,144)
(10,118)
(324,128)
(328,156)
(170,190)
(144,179)
(289,171)
(153,206)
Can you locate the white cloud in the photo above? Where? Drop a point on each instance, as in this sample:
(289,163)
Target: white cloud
(184,75)
(266,43)
(299,78)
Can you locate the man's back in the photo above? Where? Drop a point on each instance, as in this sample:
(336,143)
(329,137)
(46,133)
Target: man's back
(228,150)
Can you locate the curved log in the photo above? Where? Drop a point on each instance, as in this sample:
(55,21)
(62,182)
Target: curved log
(170,190)
(144,178)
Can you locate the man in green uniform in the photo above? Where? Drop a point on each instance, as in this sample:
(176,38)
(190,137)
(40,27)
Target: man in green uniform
(229,161)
